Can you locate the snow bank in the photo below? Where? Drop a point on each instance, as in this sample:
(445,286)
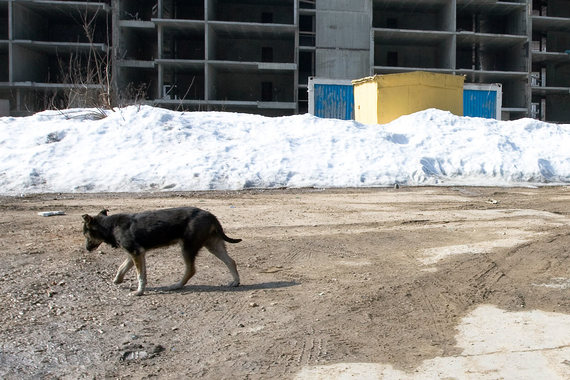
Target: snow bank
(141,148)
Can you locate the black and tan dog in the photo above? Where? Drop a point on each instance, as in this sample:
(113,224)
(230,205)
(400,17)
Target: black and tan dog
(136,233)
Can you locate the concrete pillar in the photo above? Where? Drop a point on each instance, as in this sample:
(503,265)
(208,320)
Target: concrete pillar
(343,38)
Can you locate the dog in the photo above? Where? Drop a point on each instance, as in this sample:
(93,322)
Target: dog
(136,233)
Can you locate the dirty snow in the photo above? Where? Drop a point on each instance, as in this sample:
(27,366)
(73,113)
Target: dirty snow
(141,148)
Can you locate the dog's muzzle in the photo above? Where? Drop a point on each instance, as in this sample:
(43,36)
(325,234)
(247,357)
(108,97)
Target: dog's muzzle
(91,246)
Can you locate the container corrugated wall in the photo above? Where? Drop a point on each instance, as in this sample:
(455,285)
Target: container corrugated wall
(482,100)
(382,98)
(334,101)
(329,98)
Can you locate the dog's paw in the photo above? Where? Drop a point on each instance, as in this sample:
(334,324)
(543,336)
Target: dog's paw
(137,293)
(176,286)
(117,281)
(233,284)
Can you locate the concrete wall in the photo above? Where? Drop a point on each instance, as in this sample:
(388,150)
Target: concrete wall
(557,107)
(29,65)
(558,8)
(4,107)
(27,18)
(342,63)
(342,39)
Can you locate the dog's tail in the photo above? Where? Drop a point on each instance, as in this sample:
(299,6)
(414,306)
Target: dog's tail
(220,232)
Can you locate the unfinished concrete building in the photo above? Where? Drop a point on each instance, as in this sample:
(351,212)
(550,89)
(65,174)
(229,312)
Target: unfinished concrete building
(256,55)
(45,52)
(214,54)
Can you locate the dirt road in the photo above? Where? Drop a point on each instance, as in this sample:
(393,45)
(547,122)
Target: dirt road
(379,276)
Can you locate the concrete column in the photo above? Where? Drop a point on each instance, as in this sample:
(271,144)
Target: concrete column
(343,38)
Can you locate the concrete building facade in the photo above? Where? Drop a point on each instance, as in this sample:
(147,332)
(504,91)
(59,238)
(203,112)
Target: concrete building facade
(256,55)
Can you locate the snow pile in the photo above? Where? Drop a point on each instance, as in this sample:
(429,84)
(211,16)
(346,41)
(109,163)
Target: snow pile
(141,148)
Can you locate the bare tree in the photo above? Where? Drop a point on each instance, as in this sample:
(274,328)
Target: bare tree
(87,75)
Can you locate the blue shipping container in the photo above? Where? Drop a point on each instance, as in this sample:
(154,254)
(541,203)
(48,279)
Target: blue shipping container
(482,101)
(331,100)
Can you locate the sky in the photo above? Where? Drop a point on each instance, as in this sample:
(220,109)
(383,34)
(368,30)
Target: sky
(148,149)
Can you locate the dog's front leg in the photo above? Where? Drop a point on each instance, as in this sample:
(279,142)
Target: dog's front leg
(139,260)
(123,269)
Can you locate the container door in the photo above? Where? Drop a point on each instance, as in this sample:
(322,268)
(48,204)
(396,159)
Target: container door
(334,101)
(480,103)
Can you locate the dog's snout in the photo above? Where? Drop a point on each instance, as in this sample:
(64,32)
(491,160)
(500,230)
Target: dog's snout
(90,246)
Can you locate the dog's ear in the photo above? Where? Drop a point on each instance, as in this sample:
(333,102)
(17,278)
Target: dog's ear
(104,212)
(87,218)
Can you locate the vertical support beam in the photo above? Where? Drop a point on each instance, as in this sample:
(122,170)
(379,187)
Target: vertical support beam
(451,20)
(528,43)
(116,43)
(207,45)
(160,67)
(160,10)
(10,39)
(296,56)
(371,60)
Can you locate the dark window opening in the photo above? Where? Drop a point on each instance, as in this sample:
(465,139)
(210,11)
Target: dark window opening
(266,91)
(266,54)
(266,17)
(306,23)
(392,58)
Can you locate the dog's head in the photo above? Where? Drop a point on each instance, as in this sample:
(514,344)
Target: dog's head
(93,231)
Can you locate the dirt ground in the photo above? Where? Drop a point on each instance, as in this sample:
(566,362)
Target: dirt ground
(328,276)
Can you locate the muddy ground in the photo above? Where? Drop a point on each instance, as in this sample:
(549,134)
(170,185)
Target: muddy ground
(333,276)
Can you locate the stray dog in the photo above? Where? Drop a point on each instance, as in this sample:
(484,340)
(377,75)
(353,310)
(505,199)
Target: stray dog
(136,233)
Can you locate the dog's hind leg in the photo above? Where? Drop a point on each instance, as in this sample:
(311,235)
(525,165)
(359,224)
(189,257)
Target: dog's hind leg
(123,269)
(218,248)
(189,252)
(140,264)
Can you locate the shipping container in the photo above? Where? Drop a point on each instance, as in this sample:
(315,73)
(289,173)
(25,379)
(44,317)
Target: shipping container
(380,99)
(482,100)
(331,98)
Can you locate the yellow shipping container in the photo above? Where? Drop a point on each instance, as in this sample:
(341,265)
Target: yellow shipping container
(382,98)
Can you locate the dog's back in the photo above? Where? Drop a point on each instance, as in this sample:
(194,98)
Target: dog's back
(151,229)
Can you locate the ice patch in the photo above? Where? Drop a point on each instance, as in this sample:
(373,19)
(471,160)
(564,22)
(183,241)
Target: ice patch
(497,344)
(433,255)
(557,283)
